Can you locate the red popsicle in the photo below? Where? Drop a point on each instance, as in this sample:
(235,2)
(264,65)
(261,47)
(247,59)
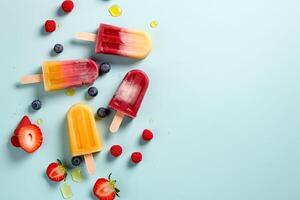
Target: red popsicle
(128,97)
(119,41)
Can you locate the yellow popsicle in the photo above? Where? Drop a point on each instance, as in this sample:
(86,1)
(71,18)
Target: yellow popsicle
(83,135)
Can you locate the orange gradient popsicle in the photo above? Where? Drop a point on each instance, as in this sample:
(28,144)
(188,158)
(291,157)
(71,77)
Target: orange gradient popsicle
(65,74)
(73,73)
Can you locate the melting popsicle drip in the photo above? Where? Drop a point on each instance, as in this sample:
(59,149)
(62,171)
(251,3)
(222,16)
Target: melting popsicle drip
(153,24)
(66,190)
(39,121)
(70,92)
(115,11)
(76,175)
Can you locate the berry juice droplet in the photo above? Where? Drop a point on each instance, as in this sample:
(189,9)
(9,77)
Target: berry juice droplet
(115,11)
(76,175)
(153,24)
(70,92)
(39,121)
(66,190)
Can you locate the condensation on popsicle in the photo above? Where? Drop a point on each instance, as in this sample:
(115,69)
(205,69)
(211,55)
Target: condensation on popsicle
(83,134)
(65,74)
(119,41)
(128,97)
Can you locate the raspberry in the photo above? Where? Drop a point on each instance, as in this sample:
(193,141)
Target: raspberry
(50,26)
(67,6)
(147,135)
(116,150)
(136,157)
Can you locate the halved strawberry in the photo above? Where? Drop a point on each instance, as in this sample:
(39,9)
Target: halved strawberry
(56,171)
(30,138)
(15,141)
(24,122)
(106,189)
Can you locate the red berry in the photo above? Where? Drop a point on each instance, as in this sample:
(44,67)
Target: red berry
(105,189)
(67,6)
(147,135)
(15,141)
(24,122)
(50,26)
(116,150)
(56,171)
(136,157)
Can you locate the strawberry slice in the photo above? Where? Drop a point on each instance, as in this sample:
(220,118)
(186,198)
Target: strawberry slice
(30,138)
(105,189)
(14,140)
(24,122)
(56,171)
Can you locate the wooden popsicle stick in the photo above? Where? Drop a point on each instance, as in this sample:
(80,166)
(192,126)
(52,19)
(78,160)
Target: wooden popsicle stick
(115,124)
(34,78)
(86,36)
(90,164)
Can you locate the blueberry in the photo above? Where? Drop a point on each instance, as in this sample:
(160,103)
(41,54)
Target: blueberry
(76,160)
(104,68)
(92,91)
(58,48)
(36,104)
(103,112)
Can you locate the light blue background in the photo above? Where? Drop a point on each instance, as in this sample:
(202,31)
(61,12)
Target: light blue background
(223,100)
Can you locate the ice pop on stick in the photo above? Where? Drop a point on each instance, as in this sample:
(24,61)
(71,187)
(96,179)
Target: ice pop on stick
(58,75)
(128,97)
(119,41)
(83,135)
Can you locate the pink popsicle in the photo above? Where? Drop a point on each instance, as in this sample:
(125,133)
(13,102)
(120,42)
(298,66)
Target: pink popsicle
(129,96)
(119,41)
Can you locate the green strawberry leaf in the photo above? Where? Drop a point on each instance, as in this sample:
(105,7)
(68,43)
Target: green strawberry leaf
(59,162)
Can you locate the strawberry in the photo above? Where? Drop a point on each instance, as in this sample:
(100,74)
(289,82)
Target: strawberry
(56,171)
(24,122)
(15,141)
(30,138)
(106,189)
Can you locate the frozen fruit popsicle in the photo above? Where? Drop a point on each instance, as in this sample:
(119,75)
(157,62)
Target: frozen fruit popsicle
(83,134)
(119,41)
(128,97)
(65,74)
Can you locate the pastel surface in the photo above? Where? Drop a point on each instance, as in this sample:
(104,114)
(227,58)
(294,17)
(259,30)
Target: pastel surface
(223,101)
